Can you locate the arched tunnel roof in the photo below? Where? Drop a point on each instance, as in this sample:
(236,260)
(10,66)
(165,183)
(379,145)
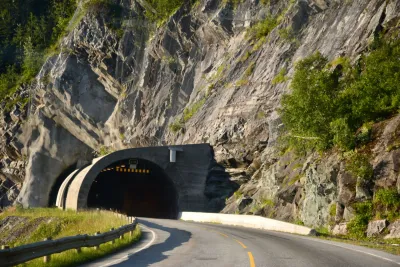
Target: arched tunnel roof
(188,173)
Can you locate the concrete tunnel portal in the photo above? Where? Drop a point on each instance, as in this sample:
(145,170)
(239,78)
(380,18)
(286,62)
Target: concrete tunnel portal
(156,182)
(135,187)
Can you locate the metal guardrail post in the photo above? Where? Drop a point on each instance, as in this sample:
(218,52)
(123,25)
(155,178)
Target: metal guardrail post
(112,241)
(98,246)
(47,258)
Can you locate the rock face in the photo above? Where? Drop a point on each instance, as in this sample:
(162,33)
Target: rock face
(340,229)
(375,228)
(195,79)
(394,230)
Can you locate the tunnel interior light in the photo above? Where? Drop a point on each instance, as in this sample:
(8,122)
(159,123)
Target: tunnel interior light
(122,166)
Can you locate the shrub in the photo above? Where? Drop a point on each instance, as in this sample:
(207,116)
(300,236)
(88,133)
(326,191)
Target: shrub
(309,109)
(358,225)
(104,150)
(280,77)
(387,202)
(238,195)
(163,8)
(358,165)
(332,210)
(267,203)
(329,102)
(365,134)
(262,28)
(175,126)
(249,70)
(343,136)
(189,112)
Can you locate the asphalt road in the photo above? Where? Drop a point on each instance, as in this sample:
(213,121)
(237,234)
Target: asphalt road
(178,243)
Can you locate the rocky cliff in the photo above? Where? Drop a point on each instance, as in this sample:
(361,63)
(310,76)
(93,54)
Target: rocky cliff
(120,81)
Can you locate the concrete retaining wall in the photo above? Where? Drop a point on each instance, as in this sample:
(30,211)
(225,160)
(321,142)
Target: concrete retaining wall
(249,221)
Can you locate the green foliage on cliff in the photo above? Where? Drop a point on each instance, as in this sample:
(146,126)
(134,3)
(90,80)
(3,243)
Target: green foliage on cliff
(280,77)
(358,165)
(330,101)
(387,203)
(262,28)
(27,30)
(358,225)
(163,9)
(189,112)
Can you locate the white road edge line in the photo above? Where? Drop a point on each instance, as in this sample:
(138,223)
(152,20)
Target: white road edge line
(136,251)
(345,247)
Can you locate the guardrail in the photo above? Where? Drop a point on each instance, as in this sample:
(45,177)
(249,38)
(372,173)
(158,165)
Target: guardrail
(24,253)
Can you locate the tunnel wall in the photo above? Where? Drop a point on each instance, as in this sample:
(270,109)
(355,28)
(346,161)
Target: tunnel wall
(188,174)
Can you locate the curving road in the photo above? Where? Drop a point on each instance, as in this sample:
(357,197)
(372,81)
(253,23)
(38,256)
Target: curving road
(178,243)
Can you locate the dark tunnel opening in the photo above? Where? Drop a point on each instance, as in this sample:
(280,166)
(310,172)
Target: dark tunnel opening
(135,187)
(57,184)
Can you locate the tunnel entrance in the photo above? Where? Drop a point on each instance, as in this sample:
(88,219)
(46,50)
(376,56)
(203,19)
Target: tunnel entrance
(135,187)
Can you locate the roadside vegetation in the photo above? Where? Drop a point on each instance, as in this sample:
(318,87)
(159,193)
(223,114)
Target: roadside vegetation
(331,100)
(333,106)
(27,32)
(41,223)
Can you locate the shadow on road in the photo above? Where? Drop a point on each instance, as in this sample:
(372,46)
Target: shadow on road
(155,253)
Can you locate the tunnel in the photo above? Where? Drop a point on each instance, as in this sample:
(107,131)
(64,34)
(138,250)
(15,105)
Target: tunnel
(135,187)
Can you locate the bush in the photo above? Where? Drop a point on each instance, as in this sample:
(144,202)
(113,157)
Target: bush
(163,8)
(329,102)
(308,111)
(358,225)
(343,136)
(27,33)
(280,77)
(358,165)
(332,210)
(189,112)
(262,28)
(387,202)
(175,126)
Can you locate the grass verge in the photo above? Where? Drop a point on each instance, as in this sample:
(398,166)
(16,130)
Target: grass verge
(390,246)
(32,225)
(41,223)
(72,258)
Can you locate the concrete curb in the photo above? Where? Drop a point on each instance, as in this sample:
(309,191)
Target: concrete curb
(250,221)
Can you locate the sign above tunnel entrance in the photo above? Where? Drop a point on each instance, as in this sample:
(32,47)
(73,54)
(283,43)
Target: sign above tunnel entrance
(133,163)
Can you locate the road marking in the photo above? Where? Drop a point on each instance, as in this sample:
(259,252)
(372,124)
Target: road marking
(240,243)
(223,234)
(136,251)
(251,259)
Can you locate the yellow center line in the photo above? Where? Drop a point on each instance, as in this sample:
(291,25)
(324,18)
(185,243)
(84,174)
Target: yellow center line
(222,234)
(240,243)
(251,258)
